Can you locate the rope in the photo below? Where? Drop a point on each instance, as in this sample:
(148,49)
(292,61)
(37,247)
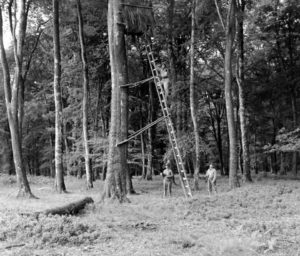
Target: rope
(141,130)
(137,83)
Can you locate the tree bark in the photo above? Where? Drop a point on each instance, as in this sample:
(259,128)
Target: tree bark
(115,183)
(230,35)
(282,164)
(85,85)
(192,100)
(172,68)
(150,135)
(294,111)
(59,172)
(241,85)
(11,92)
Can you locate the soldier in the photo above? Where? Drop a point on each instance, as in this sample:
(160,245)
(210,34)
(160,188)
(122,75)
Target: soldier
(165,81)
(211,177)
(168,179)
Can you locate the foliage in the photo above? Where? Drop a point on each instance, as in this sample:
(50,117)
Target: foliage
(286,141)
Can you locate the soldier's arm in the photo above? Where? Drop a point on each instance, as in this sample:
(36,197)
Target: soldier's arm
(214,176)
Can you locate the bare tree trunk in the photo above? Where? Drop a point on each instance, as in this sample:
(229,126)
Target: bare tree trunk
(294,111)
(11,92)
(150,136)
(85,70)
(241,85)
(172,68)
(143,157)
(143,176)
(220,146)
(282,163)
(52,170)
(230,35)
(115,183)
(59,172)
(192,101)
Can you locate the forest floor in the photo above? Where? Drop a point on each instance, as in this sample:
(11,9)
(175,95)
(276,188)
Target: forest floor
(262,218)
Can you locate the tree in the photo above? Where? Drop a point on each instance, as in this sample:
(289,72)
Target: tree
(192,99)
(85,71)
(229,40)
(241,84)
(115,183)
(12,91)
(59,172)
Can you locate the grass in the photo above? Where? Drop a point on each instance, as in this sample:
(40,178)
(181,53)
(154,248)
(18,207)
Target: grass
(262,218)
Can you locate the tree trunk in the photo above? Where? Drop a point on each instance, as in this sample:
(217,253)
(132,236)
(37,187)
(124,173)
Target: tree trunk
(85,71)
(123,79)
(150,135)
(282,163)
(143,157)
(115,177)
(241,85)
(143,176)
(59,172)
(230,34)
(192,101)
(220,146)
(172,69)
(11,92)
(294,111)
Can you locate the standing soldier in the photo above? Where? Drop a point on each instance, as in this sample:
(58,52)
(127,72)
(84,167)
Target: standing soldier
(211,176)
(168,179)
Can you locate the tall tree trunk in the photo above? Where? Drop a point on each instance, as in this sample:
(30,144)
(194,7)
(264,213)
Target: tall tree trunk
(220,145)
(230,35)
(150,135)
(11,92)
(85,71)
(143,176)
(282,164)
(59,172)
(123,79)
(294,111)
(192,101)
(241,85)
(115,183)
(143,157)
(172,69)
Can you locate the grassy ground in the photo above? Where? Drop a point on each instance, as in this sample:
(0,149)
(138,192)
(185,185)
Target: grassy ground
(262,218)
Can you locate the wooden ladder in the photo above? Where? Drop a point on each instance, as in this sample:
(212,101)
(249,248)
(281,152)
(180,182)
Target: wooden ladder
(163,103)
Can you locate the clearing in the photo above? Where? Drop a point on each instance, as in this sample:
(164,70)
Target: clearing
(262,218)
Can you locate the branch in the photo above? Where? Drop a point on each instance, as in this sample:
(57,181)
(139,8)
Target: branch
(10,16)
(219,14)
(31,54)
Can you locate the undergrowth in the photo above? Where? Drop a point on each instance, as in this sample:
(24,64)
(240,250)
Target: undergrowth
(47,230)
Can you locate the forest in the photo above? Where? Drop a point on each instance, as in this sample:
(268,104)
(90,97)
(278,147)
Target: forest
(99,96)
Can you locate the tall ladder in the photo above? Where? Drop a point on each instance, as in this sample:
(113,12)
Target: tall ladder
(163,103)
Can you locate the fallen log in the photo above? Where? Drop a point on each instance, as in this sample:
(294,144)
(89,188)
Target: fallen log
(69,209)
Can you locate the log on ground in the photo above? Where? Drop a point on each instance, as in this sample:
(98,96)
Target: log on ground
(69,209)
